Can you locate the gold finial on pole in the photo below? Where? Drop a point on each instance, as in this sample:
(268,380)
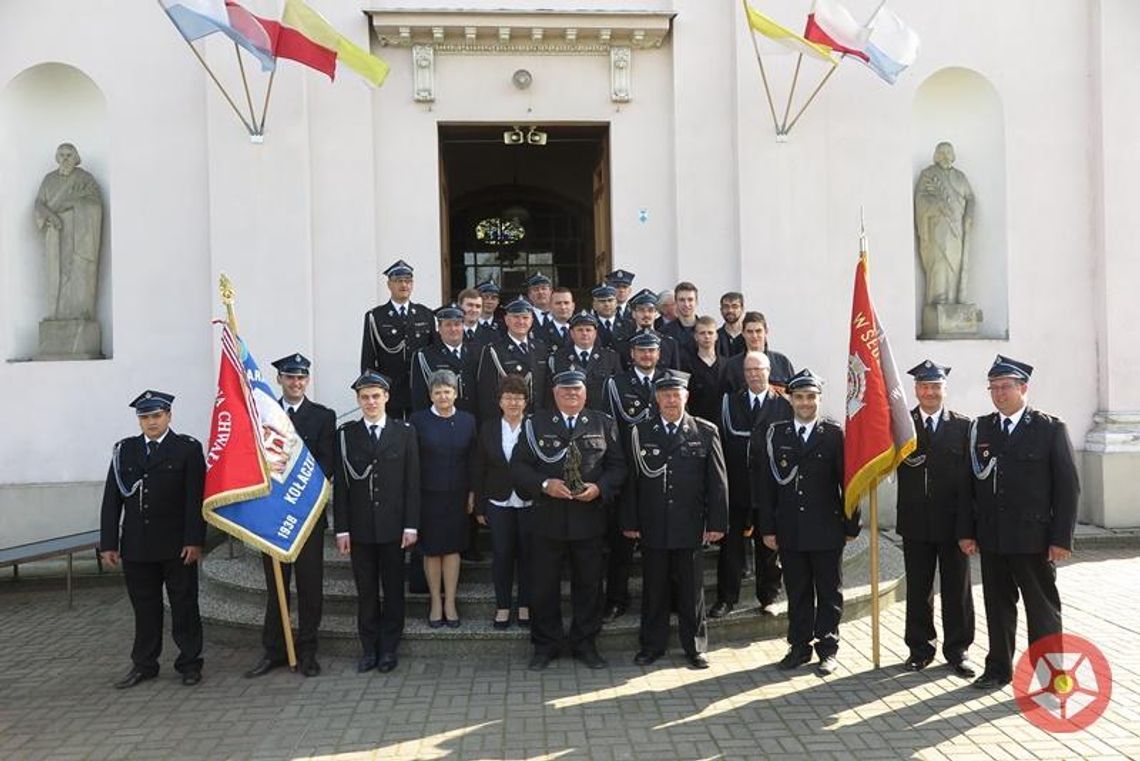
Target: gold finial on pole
(226,289)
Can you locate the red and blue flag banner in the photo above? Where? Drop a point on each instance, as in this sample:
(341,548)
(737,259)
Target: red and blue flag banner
(880,432)
(263,485)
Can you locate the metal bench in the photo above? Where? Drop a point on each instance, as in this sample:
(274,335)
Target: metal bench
(50,548)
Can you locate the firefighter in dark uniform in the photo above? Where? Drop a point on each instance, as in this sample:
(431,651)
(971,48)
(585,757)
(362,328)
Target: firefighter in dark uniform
(567,526)
(622,283)
(933,494)
(316,425)
(556,333)
(631,400)
(644,310)
(1025,491)
(675,501)
(516,353)
(376,515)
(393,332)
(799,503)
(449,351)
(492,317)
(151,519)
(586,354)
(744,421)
(605,309)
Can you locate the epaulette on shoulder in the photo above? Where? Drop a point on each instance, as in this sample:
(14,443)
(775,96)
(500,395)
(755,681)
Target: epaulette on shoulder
(958,416)
(702,423)
(188,438)
(345,424)
(829,421)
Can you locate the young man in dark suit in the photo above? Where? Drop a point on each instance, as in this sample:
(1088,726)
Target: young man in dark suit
(1025,491)
(316,425)
(151,519)
(799,502)
(933,493)
(376,515)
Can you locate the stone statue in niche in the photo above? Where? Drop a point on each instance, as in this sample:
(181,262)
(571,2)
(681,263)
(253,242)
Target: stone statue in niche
(69,213)
(943,217)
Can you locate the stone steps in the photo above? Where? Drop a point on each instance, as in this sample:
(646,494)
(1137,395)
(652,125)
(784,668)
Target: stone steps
(233,606)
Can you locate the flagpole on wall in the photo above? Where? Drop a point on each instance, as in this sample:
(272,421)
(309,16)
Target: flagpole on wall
(265,104)
(222,90)
(245,84)
(763,75)
(792,90)
(226,287)
(815,92)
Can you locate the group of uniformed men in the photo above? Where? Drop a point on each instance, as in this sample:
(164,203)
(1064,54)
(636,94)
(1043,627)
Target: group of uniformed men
(684,434)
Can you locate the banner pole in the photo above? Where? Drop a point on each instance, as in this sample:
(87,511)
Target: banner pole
(874,528)
(265,104)
(222,90)
(226,287)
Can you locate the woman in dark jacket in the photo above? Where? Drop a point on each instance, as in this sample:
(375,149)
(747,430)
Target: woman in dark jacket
(498,505)
(446,436)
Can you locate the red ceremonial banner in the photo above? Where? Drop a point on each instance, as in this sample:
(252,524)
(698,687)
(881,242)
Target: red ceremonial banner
(235,466)
(879,432)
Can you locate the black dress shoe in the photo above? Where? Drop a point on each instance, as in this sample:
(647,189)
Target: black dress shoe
(435,623)
(539,661)
(387,663)
(645,657)
(795,658)
(827,665)
(720,610)
(989,682)
(613,611)
(917,662)
(589,656)
(310,667)
(263,667)
(191,678)
(698,661)
(452,623)
(965,668)
(366,663)
(765,608)
(524,623)
(496,624)
(133,677)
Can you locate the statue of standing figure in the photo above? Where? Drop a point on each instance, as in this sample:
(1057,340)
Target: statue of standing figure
(69,211)
(943,216)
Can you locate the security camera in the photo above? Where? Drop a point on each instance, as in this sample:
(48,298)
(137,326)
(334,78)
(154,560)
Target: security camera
(535,137)
(514,136)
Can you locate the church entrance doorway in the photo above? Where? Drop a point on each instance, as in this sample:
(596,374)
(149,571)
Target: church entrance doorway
(519,199)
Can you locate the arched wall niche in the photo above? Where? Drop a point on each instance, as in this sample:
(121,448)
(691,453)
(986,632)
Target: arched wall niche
(41,107)
(962,107)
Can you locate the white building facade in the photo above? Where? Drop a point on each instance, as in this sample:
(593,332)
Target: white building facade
(690,183)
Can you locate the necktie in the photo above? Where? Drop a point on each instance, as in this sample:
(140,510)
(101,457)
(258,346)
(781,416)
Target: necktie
(585,355)
(755,406)
(645,382)
(291,410)
(672,428)
(608,325)
(1006,427)
(403,311)
(570,424)
(523,348)
(457,354)
(151,448)
(469,334)
(373,433)
(803,432)
(562,333)
(930,426)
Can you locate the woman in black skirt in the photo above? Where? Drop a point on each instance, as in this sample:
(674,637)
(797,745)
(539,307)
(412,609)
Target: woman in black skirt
(446,436)
(498,505)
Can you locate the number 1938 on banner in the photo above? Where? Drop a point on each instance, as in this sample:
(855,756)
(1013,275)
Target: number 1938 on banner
(262,483)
